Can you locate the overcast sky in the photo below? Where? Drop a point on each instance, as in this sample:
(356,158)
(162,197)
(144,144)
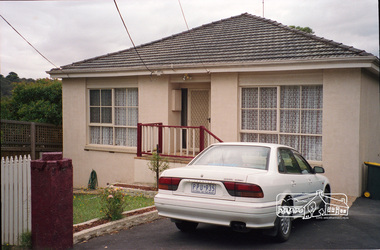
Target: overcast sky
(70,31)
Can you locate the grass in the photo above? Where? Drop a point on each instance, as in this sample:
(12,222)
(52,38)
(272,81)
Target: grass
(88,206)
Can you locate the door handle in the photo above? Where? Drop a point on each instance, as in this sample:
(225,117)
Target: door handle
(293,183)
(209,120)
(310,181)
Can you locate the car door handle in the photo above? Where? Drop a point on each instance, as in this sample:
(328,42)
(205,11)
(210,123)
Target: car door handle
(293,183)
(310,181)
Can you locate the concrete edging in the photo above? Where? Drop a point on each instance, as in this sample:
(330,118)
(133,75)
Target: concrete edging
(109,227)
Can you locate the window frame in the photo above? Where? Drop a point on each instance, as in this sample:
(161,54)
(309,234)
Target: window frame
(89,124)
(277,136)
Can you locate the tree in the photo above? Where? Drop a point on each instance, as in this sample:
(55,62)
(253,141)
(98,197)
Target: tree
(7,83)
(34,102)
(304,29)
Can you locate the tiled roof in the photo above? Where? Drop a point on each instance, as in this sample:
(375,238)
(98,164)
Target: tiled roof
(244,38)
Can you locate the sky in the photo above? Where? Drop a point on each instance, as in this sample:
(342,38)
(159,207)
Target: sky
(70,31)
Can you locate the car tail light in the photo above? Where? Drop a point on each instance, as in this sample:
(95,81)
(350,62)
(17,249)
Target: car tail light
(168,183)
(244,190)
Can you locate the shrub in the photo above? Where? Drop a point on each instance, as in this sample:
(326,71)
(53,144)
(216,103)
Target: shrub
(157,164)
(113,203)
(26,240)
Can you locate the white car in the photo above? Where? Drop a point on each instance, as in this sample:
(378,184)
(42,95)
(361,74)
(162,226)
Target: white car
(244,186)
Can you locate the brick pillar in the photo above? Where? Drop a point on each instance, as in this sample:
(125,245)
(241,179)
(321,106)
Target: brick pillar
(52,202)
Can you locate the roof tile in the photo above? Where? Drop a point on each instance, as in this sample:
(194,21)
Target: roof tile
(243,38)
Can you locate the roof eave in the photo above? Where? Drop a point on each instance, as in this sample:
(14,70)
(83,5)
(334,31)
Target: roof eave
(370,63)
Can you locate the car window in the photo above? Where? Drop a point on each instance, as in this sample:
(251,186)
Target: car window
(234,156)
(302,163)
(287,162)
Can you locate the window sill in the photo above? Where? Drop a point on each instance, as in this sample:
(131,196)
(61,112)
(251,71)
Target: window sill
(111,149)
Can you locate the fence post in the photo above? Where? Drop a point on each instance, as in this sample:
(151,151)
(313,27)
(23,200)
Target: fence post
(52,202)
(33,140)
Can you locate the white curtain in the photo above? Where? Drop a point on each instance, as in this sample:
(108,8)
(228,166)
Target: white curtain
(132,137)
(290,140)
(290,121)
(120,136)
(94,135)
(248,137)
(311,147)
(250,98)
(249,119)
(107,135)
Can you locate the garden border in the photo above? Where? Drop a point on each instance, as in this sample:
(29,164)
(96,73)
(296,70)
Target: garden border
(112,226)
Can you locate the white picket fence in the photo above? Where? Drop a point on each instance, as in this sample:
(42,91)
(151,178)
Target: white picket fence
(15,198)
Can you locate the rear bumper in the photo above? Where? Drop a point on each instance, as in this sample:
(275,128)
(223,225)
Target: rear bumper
(218,212)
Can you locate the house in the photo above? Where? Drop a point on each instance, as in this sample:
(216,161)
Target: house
(243,78)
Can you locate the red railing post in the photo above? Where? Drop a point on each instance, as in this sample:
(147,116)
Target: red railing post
(139,139)
(201,138)
(159,126)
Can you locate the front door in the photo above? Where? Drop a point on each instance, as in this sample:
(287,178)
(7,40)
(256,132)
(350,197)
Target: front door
(198,112)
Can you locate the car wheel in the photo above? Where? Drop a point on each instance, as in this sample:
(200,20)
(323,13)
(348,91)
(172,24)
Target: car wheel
(186,226)
(283,226)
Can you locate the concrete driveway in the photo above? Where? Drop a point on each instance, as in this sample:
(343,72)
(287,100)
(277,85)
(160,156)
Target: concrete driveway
(360,230)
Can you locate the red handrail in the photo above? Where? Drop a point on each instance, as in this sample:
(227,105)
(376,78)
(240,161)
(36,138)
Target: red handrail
(160,127)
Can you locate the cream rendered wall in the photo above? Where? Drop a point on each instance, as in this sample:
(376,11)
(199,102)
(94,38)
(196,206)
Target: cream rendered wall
(154,99)
(224,106)
(341,124)
(74,125)
(369,123)
(110,167)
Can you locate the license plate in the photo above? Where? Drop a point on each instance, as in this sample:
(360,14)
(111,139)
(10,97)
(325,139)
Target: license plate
(203,188)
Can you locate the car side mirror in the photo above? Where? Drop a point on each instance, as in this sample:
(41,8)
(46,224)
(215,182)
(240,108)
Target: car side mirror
(318,170)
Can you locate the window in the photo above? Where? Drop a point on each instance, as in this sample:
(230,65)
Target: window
(113,116)
(287,163)
(235,156)
(290,115)
(304,166)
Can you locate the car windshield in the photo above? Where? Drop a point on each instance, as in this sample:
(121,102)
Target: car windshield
(234,156)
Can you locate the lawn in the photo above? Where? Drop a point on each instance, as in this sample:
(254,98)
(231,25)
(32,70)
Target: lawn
(87,206)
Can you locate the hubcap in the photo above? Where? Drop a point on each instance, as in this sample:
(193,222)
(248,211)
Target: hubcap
(285,223)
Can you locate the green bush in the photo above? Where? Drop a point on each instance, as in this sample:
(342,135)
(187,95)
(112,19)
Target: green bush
(26,240)
(113,203)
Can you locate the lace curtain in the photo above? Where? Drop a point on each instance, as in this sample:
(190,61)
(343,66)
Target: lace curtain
(259,108)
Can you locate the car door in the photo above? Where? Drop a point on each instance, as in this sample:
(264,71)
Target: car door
(314,182)
(295,181)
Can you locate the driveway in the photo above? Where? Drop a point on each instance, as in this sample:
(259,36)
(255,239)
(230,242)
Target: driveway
(360,230)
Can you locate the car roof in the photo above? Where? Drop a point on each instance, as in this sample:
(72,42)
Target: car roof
(260,144)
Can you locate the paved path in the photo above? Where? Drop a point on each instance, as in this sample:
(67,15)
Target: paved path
(360,230)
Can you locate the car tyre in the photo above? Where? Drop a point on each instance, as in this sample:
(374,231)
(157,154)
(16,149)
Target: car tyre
(283,226)
(186,226)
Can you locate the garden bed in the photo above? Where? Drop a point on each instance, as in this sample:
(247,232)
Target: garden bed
(97,222)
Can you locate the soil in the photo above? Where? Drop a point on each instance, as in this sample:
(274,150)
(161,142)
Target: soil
(103,221)
(136,187)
